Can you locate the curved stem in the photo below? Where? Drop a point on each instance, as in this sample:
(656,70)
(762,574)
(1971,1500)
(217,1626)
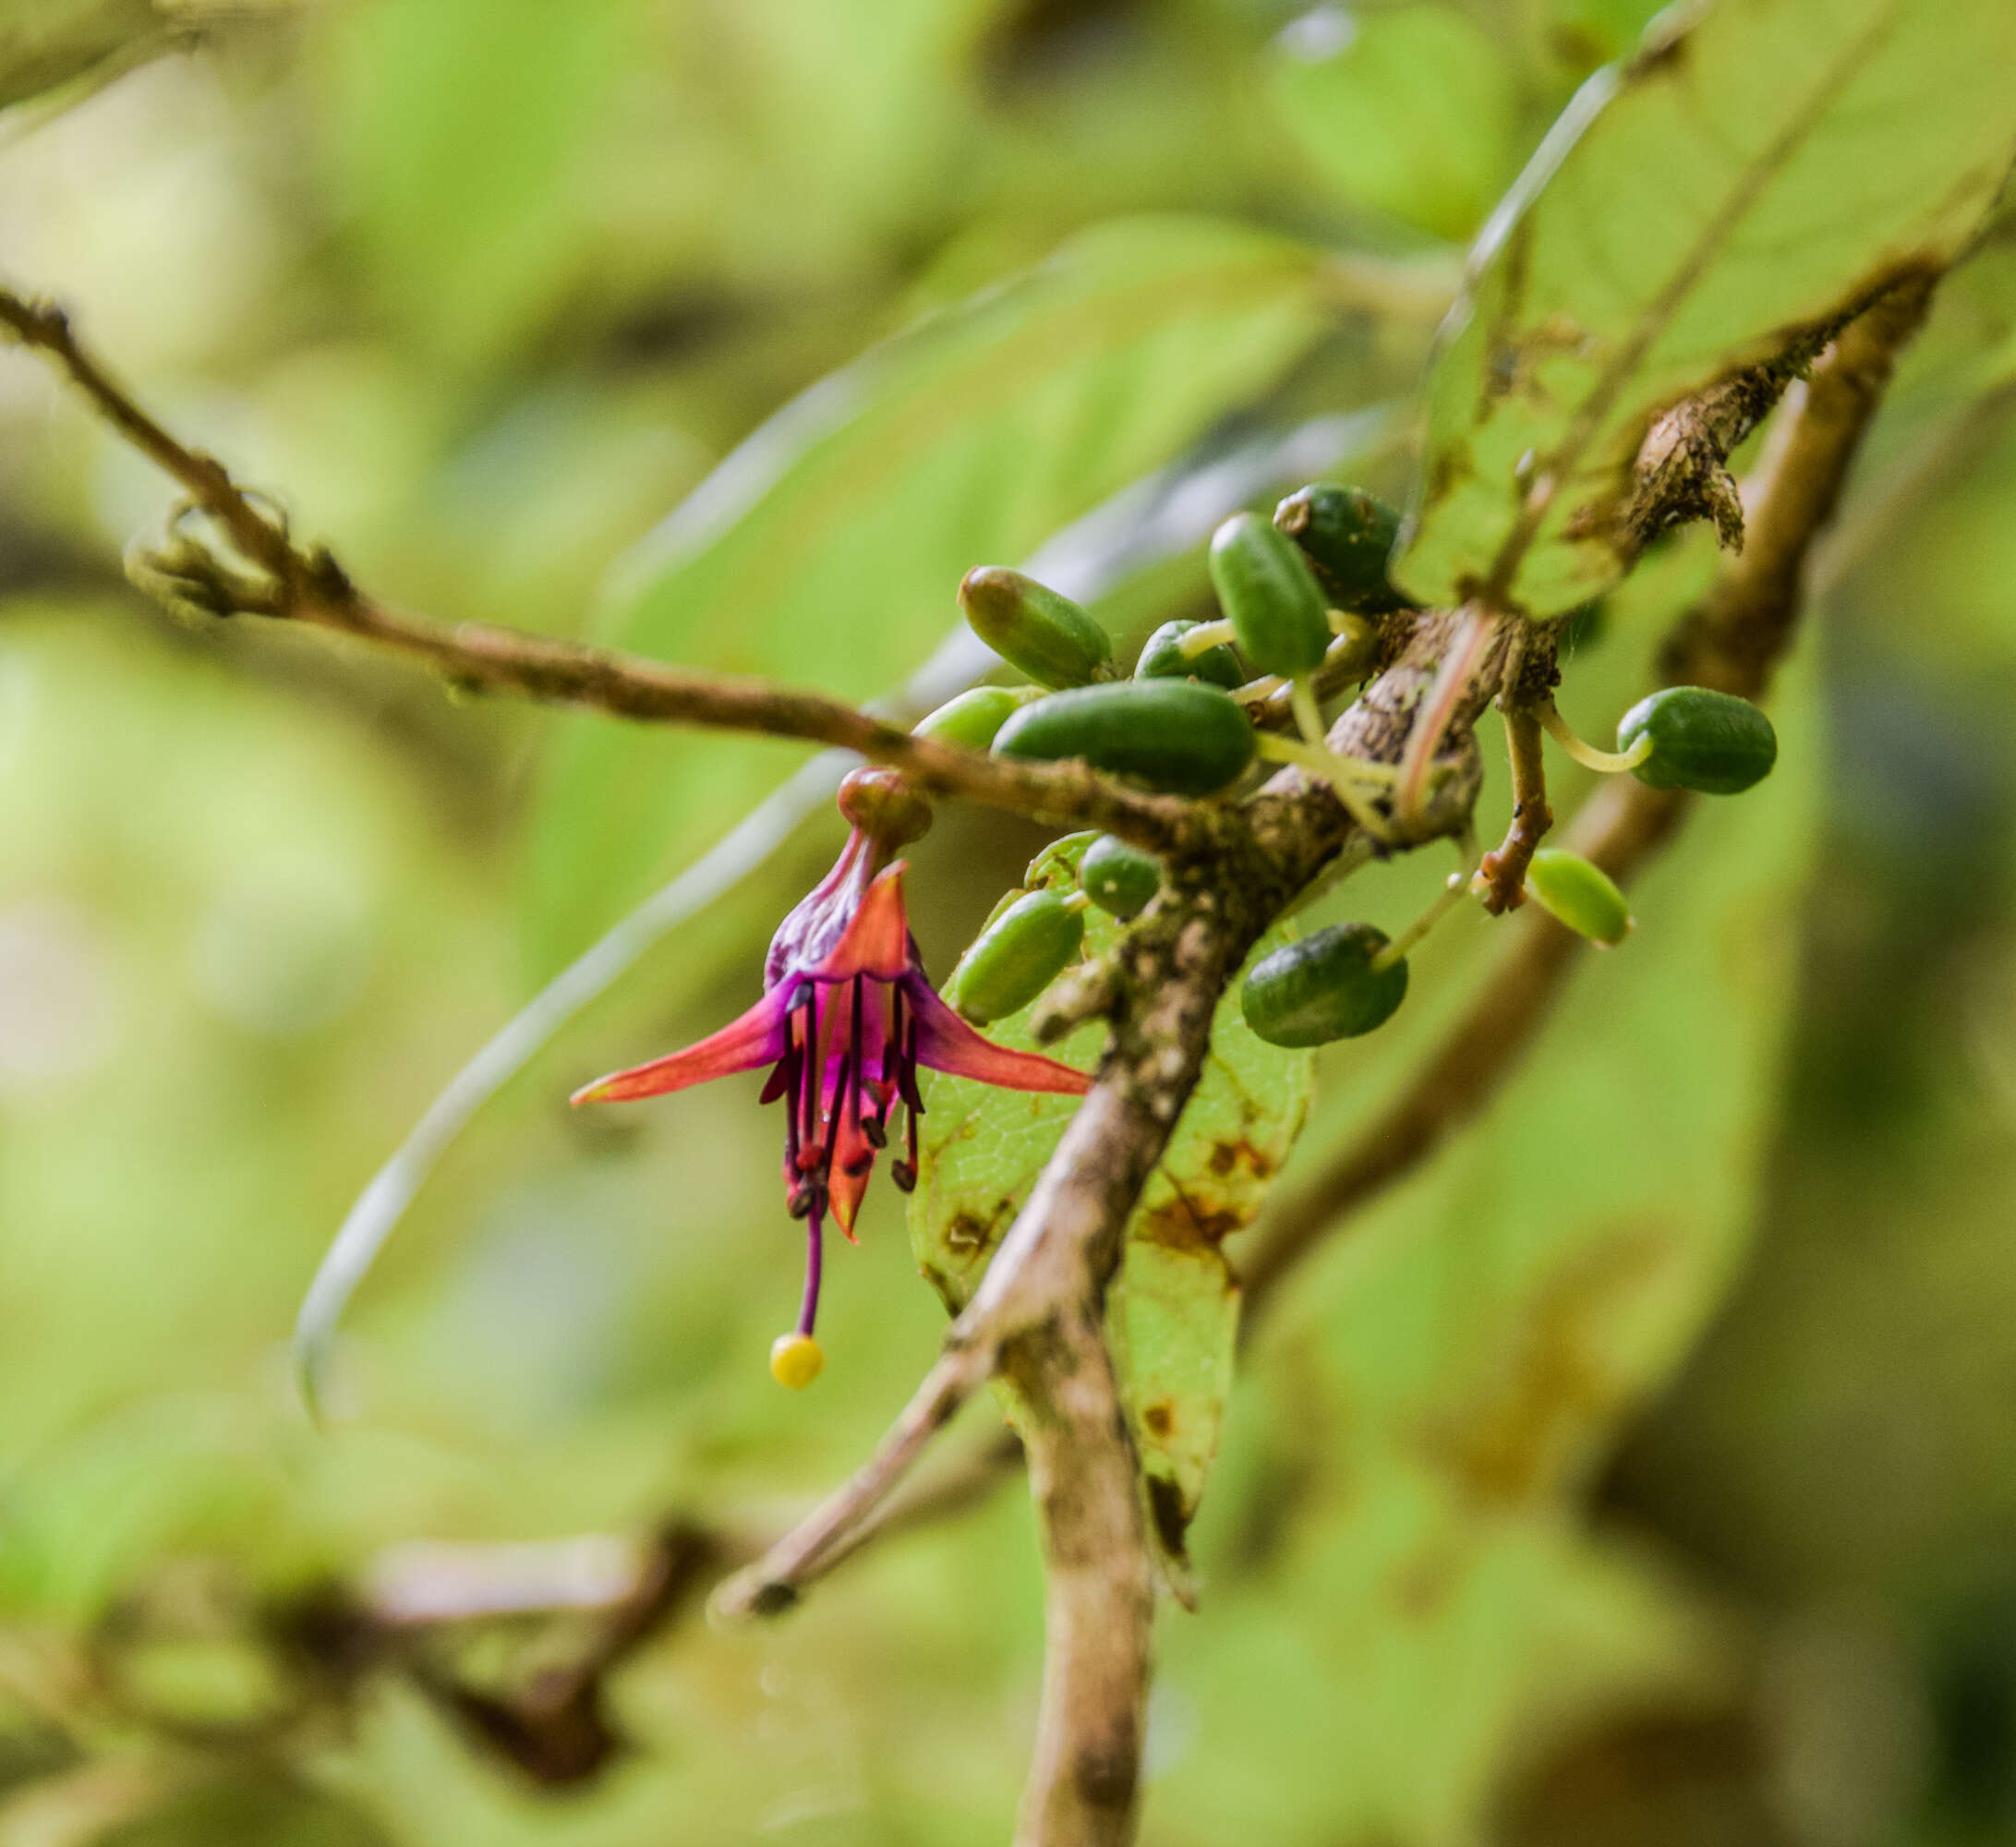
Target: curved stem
(1203,638)
(1455,890)
(1338,772)
(1606,763)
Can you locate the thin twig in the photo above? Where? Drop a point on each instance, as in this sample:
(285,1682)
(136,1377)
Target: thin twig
(1501,873)
(308,586)
(826,1535)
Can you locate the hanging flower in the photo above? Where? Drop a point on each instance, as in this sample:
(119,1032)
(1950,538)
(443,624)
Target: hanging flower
(847,1018)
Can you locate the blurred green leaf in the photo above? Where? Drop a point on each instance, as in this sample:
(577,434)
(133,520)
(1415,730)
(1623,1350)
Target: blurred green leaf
(826,552)
(1755,173)
(1585,33)
(1409,112)
(1173,1309)
(463,132)
(270,1810)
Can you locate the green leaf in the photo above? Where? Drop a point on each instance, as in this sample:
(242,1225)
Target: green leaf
(1407,111)
(1749,178)
(827,552)
(1474,1343)
(1173,1309)
(461,132)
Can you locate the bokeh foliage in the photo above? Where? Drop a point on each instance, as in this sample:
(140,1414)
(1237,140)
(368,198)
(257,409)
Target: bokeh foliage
(484,289)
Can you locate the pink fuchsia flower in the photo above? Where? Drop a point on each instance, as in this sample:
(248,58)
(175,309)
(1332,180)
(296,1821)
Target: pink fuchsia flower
(847,1017)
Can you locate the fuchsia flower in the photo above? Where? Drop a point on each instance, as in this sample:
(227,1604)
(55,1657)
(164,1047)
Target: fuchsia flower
(847,1017)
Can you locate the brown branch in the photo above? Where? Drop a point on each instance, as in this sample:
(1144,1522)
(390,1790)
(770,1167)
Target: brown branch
(306,584)
(1502,870)
(1732,641)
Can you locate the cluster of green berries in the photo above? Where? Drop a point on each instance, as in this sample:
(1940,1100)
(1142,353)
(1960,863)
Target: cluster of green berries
(1175,725)
(1292,591)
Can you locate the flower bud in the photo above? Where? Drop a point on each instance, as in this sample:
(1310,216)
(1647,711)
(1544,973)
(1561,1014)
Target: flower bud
(883,806)
(1266,587)
(1033,628)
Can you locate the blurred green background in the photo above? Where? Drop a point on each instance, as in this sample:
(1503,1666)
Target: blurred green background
(1643,1471)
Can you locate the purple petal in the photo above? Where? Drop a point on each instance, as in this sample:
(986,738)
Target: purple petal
(876,942)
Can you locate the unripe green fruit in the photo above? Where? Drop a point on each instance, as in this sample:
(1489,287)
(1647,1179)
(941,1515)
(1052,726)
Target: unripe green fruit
(1121,879)
(973,718)
(1266,587)
(1579,894)
(1017,956)
(1172,734)
(1712,742)
(1163,658)
(1324,987)
(1033,628)
(1348,535)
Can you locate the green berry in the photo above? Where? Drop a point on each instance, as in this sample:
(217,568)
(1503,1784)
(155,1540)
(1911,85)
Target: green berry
(1712,742)
(1016,956)
(1264,585)
(1348,535)
(1171,734)
(1579,894)
(1121,879)
(1324,987)
(1033,628)
(973,717)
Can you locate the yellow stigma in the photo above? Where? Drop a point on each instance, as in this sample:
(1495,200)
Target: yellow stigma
(796,1361)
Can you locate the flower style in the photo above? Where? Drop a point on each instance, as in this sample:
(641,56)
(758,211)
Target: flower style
(847,1017)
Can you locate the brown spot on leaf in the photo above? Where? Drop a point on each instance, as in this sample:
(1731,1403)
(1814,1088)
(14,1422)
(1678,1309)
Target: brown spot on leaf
(1188,1225)
(967,1231)
(1159,1418)
(1226,1156)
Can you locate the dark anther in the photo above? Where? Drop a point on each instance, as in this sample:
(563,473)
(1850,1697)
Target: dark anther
(904,1174)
